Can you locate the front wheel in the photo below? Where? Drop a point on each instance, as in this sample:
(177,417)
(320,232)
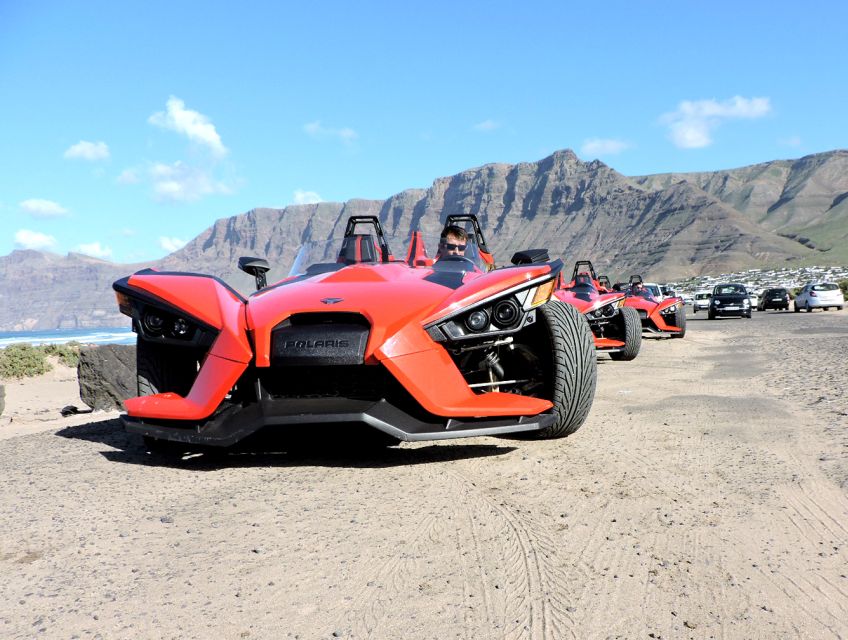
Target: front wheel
(680,321)
(573,372)
(796,307)
(632,335)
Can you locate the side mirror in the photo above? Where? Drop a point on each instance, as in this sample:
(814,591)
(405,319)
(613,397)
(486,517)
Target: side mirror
(530,256)
(256,267)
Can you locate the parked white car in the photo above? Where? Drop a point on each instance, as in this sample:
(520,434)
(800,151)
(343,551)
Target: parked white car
(755,300)
(654,288)
(702,301)
(819,295)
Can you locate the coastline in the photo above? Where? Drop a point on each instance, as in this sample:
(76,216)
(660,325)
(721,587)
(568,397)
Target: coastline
(95,335)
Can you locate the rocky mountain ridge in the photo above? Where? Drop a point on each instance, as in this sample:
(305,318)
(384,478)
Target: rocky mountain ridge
(665,226)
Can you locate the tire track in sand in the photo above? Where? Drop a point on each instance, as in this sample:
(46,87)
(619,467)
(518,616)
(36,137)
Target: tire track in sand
(536,600)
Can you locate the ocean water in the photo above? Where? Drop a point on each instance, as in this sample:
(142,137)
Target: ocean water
(103,335)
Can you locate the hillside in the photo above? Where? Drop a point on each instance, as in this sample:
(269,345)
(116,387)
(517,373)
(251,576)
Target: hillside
(664,226)
(804,199)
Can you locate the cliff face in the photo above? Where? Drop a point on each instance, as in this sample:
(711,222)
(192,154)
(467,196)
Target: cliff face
(41,290)
(804,199)
(662,226)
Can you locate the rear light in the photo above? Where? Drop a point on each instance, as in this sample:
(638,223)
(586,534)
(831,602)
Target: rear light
(813,294)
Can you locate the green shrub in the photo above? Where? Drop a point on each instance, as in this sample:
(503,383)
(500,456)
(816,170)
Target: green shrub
(23,361)
(68,354)
(843,284)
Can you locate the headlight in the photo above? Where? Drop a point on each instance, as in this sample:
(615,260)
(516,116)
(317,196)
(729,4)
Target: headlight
(157,321)
(477,321)
(501,315)
(506,313)
(153,323)
(606,311)
(716,303)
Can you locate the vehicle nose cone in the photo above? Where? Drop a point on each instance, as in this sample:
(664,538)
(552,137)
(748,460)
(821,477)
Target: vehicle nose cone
(331,300)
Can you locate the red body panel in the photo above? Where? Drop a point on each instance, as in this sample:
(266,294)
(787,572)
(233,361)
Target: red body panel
(207,300)
(214,380)
(482,286)
(654,309)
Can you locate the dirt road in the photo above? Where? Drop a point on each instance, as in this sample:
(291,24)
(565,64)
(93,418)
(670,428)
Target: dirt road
(705,497)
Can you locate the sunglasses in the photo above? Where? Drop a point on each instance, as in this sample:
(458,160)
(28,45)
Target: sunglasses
(453,247)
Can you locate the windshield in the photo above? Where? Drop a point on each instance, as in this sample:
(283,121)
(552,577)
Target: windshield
(472,251)
(702,296)
(825,287)
(725,289)
(318,255)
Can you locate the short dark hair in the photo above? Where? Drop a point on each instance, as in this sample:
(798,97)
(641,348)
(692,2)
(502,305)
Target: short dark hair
(453,230)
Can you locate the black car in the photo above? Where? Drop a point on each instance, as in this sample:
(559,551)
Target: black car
(730,299)
(777,298)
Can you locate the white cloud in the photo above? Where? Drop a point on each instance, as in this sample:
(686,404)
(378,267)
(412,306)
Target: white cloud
(95,250)
(487,125)
(306,197)
(171,244)
(84,150)
(38,208)
(192,124)
(693,122)
(26,239)
(603,147)
(128,233)
(128,176)
(180,182)
(317,130)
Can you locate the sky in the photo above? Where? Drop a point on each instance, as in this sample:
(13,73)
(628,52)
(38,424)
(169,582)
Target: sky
(127,128)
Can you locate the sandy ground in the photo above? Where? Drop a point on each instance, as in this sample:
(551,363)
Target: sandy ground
(705,497)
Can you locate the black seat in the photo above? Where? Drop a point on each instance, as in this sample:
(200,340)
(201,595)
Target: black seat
(358,247)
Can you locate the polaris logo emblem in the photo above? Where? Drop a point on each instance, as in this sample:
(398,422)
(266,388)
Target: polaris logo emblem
(331,300)
(315,344)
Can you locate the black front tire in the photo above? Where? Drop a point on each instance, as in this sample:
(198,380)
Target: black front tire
(574,368)
(680,321)
(632,335)
(161,368)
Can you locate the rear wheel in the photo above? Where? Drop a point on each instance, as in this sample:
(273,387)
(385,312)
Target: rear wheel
(632,335)
(573,373)
(808,308)
(796,307)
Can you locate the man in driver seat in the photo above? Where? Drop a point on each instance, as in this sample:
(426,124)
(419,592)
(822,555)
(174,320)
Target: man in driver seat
(638,289)
(453,242)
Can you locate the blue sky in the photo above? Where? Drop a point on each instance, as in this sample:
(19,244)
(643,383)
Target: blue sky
(126,129)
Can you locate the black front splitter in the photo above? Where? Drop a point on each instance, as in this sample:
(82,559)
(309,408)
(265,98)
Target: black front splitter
(235,423)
